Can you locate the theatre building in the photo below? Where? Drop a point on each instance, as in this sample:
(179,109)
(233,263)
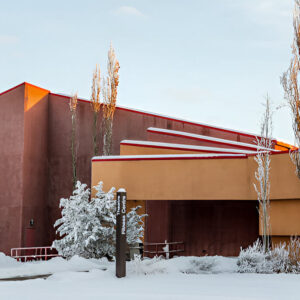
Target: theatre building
(195,181)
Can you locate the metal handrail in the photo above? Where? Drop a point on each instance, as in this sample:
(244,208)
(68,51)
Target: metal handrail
(39,253)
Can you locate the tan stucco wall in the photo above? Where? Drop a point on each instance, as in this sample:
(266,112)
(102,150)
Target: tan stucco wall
(138,150)
(285,217)
(199,179)
(207,179)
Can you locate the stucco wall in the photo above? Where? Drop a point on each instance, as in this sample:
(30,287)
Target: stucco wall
(138,150)
(285,217)
(192,179)
(196,179)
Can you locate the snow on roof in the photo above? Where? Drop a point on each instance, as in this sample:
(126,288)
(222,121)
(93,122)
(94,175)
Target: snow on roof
(205,137)
(166,156)
(186,147)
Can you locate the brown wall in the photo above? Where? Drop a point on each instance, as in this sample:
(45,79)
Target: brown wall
(205,227)
(59,152)
(165,138)
(127,125)
(11,160)
(35,165)
(36,168)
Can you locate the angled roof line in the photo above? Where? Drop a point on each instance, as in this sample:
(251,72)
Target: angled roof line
(23,83)
(162,145)
(199,137)
(166,157)
(150,114)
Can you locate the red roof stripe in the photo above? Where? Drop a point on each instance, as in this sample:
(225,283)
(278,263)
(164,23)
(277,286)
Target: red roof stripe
(242,156)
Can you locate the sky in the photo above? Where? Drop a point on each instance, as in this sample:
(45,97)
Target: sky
(211,62)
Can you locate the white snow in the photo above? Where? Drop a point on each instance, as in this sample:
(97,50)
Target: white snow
(208,138)
(188,147)
(166,156)
(13,268)
(6,261)
(211,278)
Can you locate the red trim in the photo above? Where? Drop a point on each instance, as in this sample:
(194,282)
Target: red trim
(35,86)
(191,123)
(182,149)
(243,156)
(68,97)
(202,139)
(169,118)
(12,88)
(151,114)
(23,83)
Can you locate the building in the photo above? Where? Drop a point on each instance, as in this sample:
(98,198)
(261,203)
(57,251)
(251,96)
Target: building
(197,187)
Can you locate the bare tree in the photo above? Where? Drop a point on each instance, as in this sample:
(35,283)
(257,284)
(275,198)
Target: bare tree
(289,81)
(262,174)
(73,107)
(96,105)
(110,87)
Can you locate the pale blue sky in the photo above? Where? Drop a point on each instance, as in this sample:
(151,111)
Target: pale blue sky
(207,61)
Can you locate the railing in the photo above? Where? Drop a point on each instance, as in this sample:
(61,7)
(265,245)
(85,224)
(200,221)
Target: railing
(167,248)
(33,253)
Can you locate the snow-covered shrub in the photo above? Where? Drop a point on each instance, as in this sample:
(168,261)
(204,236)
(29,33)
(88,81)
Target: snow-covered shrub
(76,226)
(200,266)
(294,254)
(281,259)
(147,266)
(105,212)
(254,260)
(87,227)
(135,226)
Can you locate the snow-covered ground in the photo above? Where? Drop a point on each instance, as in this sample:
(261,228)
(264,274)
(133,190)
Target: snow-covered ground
(179,278)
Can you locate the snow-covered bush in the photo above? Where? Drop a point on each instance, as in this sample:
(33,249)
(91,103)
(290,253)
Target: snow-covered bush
(135,226)
(294,254)
(76,225)
(87,227)
(281,259)
(200,266)
(254,260)
(105,213)
(147,266)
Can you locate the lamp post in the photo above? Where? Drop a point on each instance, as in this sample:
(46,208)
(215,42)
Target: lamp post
(121,234)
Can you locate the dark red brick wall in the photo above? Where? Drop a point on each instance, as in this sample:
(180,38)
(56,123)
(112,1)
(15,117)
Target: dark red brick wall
(206,227)
(35,171)
(11,173)
(35,159)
